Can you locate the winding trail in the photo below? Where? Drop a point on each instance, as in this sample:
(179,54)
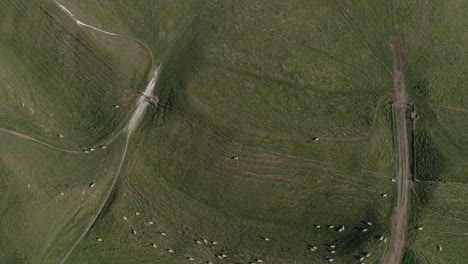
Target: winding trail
(39,142)
(141,106)
(81,23)
(394,252)
(133,123)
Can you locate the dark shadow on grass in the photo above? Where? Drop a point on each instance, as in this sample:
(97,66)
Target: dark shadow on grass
(410,258)
(429,166)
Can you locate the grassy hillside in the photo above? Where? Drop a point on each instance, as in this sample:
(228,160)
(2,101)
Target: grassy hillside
(45,194)
(250,80)
(58,79)
(230,154)
(435,47)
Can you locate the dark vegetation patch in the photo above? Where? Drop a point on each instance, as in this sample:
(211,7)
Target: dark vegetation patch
(410,258)
(421,88)
(429,166)
(429,161)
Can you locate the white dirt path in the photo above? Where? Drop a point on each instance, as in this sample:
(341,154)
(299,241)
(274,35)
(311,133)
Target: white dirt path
(141,106)
(82,24)
(140,109)
(142,103)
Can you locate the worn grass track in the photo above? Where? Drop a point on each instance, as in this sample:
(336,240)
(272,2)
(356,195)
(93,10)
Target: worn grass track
(394,251)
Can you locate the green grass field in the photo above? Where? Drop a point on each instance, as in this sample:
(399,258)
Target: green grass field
(435,48)
(229,154)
